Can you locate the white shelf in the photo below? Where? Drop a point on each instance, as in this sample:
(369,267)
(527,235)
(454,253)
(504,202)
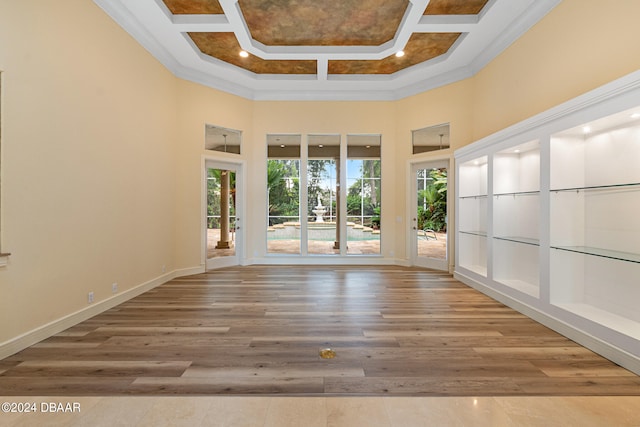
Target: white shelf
(522,286)
(516,264)
(479,269)
(606,318)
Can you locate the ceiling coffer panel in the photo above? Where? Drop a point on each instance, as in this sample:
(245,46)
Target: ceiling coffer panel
(421,47)
(455,7)
(323,23)
(194,7)
(225,47)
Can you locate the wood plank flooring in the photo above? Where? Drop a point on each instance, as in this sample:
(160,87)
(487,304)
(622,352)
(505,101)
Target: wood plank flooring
(259,330)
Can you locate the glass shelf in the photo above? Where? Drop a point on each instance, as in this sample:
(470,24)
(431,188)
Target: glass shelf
(519,193)
(597,187)
(479,196)
(475,233)
(604,253)
(518,239)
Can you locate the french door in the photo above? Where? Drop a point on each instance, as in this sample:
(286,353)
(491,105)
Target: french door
(428,225)
(222,225)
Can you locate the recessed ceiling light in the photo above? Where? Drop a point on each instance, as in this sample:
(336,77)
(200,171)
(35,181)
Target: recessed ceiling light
(400,54)
(320,145)
(586,129)
(516,151)
(281,145)
(367,146)
(635,116)
(244,53)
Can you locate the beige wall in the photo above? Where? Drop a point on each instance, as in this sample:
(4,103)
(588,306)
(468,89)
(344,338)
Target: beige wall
(87,164)
(196,107)
(102,147)
(578,46)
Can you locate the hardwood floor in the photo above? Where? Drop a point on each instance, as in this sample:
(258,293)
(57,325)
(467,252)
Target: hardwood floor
(259,330)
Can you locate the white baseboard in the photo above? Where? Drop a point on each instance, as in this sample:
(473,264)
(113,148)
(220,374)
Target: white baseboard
(188,271)
(603,348)
(34,336)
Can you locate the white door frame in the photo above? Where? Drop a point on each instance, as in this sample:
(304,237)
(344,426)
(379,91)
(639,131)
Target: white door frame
(219,162)
(412,209)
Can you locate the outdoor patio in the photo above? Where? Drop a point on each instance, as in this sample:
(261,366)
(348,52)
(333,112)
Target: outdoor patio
(427,247)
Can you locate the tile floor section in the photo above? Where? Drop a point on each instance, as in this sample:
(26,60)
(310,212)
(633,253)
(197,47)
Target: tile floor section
(326,411)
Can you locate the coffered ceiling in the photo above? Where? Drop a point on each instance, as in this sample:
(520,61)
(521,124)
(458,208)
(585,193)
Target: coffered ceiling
(330,49)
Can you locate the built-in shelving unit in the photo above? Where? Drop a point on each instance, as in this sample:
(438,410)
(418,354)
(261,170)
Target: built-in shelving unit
(472,199)
(548,218)
(595,228)
(516,217)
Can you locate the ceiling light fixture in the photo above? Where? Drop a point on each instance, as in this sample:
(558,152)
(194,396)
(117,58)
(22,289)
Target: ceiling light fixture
(244,54)
(281,145)
(635,116)
(400,54)
(320,145)
(586,129)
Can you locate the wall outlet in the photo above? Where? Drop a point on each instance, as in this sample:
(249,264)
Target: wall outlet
(90,298)
(114,288)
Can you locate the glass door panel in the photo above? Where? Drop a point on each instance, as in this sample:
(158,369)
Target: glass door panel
(322,194)
(363,194)
(283,187)
(429,219)
(222,226)
(221,216)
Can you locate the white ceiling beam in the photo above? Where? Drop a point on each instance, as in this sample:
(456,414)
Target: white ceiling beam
(201,24)
(323,68)
(446,24)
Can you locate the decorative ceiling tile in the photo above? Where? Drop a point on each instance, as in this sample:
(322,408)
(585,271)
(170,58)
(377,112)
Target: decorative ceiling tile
(421,47)
(323,23)
(194,7)
(225,47)
(455,7)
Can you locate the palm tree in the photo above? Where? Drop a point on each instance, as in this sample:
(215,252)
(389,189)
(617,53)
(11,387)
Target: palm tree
(435,198)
